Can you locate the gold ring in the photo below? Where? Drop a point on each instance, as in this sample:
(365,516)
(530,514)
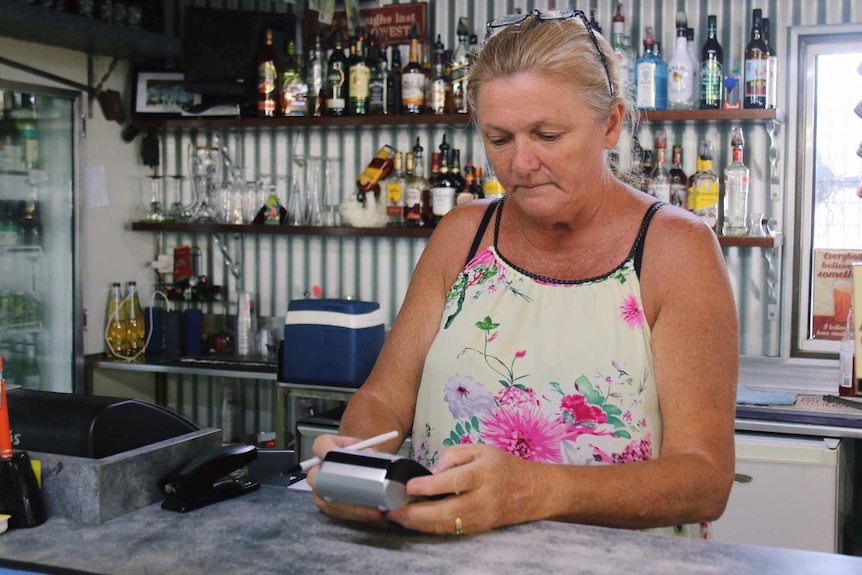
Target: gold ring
(458,529)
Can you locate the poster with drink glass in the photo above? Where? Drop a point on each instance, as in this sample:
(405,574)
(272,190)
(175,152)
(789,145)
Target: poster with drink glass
(832,292)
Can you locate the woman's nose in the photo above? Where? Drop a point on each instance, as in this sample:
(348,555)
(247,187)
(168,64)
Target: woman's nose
(524,159)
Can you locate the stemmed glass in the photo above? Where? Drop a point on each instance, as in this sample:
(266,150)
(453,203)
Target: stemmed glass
(178,211)
(156,211)
(332,217)
(312,214)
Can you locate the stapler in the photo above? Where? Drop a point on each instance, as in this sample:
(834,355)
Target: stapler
(206,479)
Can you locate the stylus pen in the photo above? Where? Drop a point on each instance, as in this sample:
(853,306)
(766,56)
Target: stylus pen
(304,466)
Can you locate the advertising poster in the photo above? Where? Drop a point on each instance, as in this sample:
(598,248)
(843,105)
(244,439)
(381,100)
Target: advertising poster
(832,292)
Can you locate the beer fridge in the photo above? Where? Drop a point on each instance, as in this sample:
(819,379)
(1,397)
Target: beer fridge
(40,291)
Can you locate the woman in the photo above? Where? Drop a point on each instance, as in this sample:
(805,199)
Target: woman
(590,327)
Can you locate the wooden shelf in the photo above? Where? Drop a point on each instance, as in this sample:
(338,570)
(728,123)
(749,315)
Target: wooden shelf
(191,228)
(740,115)
(35,23)
(220,122)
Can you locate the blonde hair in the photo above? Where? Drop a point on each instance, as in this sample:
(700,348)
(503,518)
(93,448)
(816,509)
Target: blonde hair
(558,49)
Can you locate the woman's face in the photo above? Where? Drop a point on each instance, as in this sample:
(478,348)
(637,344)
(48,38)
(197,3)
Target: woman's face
(546,148)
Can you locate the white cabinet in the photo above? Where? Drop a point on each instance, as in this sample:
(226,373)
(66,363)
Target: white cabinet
(788,492)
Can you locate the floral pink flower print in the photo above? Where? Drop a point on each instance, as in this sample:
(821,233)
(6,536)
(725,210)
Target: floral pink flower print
(524,432)
(581,411)
(631,313)
(466,397)
(515,396)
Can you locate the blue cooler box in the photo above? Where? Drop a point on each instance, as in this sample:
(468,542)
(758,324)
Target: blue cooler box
(331,341)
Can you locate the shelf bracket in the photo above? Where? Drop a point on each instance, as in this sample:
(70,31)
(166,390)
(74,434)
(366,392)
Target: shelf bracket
(774,177)
(228,259)
(772,256)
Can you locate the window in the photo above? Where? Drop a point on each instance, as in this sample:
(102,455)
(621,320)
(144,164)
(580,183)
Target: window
(825,86)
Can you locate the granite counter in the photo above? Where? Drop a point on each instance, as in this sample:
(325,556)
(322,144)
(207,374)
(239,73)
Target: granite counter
(279,530)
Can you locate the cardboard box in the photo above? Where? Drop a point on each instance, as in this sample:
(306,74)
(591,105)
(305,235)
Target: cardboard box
(330,341)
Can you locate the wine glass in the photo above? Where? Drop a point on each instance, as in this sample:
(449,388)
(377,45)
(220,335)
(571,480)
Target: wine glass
(156,204)
(205,168)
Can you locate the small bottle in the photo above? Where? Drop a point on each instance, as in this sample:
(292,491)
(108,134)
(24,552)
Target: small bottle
(395,195)
(680,86)
(771,68)
(711,69)
(458,72)
(754,82)
(705,200)
(115,327)
(136,337)
(315,77)
(736,175)
(444,187)
(651,76)
(336,79)
(393,84)
(378,169)
(294,91)
(678,180)
(659,179)
(413,78)
(267,78)
(846,358)
(378,86)
(360,78)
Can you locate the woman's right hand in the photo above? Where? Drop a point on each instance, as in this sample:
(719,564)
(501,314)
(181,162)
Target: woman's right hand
(323,444)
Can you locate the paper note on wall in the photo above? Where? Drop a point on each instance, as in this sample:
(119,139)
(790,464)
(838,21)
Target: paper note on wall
(832,292)
(96,187)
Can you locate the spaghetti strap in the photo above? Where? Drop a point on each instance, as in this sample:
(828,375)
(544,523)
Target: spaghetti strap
(480,232)
(638,248)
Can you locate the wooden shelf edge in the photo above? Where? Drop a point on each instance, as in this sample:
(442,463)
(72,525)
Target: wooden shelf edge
(344,231)
(214,122)
(250,229)
(741,115)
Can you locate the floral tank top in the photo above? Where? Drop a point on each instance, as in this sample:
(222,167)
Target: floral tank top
(551,371)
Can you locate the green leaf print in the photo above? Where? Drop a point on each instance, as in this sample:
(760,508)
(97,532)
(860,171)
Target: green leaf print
(456,439)
(461,286)
(616,422)
(557,387)
(612,409)
(459,430)
(486,324)
(583,385)
(475,421)
(623,433)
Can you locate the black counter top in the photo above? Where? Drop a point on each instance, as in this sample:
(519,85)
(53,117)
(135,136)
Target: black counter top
(278,530)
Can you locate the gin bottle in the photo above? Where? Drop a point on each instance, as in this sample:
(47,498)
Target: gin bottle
(736,190)
(651,76)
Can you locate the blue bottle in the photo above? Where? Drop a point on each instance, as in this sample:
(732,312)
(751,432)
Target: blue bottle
(650,76)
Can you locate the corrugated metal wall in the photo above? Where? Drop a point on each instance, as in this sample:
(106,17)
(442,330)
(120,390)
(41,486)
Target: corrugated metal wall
(279,268)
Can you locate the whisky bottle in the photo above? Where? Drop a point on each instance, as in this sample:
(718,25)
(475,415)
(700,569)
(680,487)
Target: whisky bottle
(413,79)
(458,72)
(705,200)
(678,180)
(378,100)
(267,78)
(378,169)
(735,213)
(771,68)
(438,98)
(756,64)
(360,76)
(659,180)
(443,187)
(395,195)
(393,83)
(455,171)
(711,69)
(412,195)
(336,79)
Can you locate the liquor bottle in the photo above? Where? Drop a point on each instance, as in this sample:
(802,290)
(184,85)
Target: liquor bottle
(443,186)
(438,98)
(594,24)
(680,86)
(315,77)
(455,170)
(846,358)
(393,83)
(134,322)
(623,55)
(771,68)
(678,180)
(705,198)
(651,76)
(115,326)
(756,63)
(378,169)
(395,195)
(698,169)
(336,79)
(423,183)
(472,187)
(646,170)
(294,91)
(413,194)
(378,97)
(267,78)
(360,75)
(735,214)
(413,79)
(711,68)
(659,179)
(458,71)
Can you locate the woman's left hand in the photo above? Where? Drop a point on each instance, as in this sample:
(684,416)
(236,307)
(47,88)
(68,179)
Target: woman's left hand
(487,488)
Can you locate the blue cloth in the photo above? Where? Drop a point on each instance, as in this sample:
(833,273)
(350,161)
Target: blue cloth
(751,397)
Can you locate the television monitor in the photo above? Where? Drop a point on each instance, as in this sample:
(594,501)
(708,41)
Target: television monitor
(220,47)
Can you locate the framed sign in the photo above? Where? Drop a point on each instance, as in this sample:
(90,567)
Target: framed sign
(391,23)
(162,93)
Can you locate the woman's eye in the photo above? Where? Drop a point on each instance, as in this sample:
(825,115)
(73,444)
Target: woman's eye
(549,137)
(498,141)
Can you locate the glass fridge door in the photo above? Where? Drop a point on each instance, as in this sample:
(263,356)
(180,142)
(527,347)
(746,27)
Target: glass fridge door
(39,291)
